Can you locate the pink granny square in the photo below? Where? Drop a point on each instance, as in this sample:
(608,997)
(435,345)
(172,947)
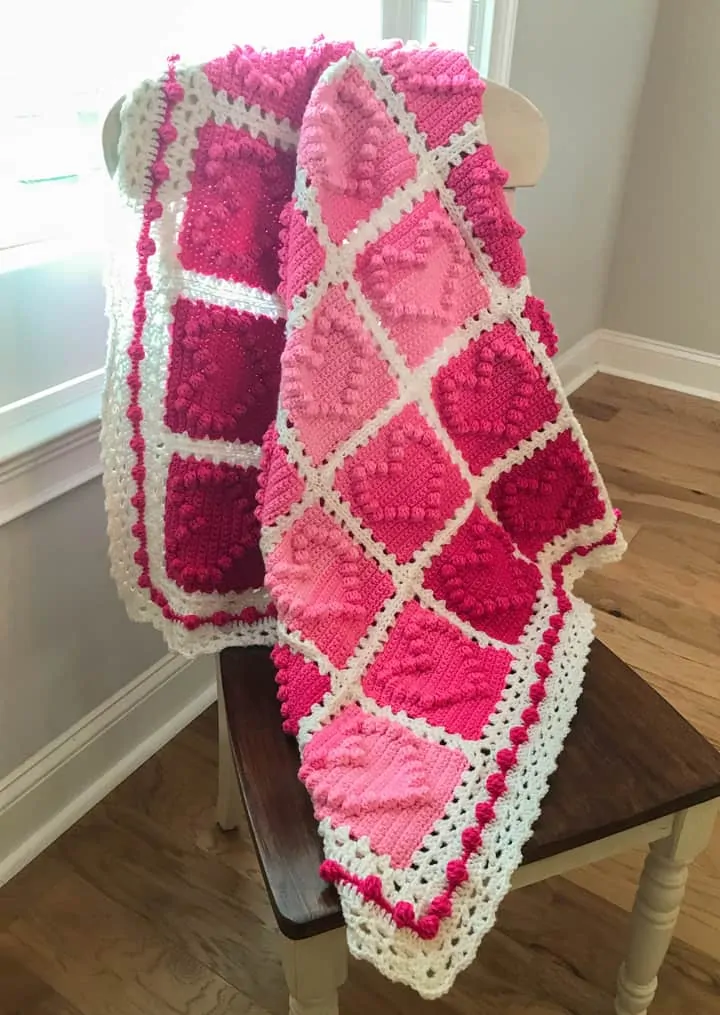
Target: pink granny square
(333,378)
(478,184)
(211,533)
(354,153)
(481,581)
(492,395)
(421,280)
(402,484)
(224,372)
(444,94)
(380,780)
(300,686)
(301,256)
(429,668)
(547,495)
(279,483)
(324,586)
(231,224)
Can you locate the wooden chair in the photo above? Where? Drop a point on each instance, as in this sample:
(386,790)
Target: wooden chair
(632,773)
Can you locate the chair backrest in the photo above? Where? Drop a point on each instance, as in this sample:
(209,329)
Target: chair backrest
(515,127)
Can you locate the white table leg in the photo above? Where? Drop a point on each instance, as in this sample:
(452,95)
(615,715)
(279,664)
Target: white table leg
(314,969)
(657,906)
(229,801)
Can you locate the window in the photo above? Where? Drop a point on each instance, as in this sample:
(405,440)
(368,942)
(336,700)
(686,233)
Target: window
(58,89)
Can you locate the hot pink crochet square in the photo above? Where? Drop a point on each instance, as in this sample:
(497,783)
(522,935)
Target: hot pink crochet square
(231,225)
(224,372)
(300,686)
(211,533)
(429,669)
(324,586)
(402,484)
(380,780)
(492,395)
(353,152)
(481,581)
(421,281)
(332,376)
(547,495)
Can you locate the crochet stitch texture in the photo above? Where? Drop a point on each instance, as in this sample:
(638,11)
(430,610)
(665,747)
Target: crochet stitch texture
(399,448)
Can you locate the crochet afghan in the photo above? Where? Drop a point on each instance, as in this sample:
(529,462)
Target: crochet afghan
(327,268)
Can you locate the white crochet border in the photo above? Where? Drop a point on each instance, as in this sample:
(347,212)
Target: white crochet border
(431,966)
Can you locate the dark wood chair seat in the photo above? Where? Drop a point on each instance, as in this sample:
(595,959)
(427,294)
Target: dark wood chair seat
(630,758)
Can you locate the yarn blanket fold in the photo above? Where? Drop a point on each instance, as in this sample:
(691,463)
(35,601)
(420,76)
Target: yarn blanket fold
(332,424)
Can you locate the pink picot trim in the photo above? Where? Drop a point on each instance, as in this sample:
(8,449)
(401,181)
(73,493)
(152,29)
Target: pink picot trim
(402,913)
(146,248)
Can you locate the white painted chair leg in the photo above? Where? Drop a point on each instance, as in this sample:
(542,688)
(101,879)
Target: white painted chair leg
(657,906)
(229,801)
(314,970)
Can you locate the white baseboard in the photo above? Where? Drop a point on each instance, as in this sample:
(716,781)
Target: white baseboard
(640,359)
(52,790)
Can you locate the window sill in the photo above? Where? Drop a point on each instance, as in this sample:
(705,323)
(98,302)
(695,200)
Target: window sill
(49,445)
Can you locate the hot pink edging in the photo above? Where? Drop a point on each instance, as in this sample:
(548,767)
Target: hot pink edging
(159,172)
(456,872)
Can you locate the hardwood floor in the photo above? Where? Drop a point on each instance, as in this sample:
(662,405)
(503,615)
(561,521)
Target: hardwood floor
(146,908)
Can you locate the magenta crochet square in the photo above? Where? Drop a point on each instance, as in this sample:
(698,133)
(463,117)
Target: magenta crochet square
(224,372)
(211,533)
(353,152)
(478,184)
(380,780)
(492,395)
(402,484)
(231,224)
(441,93)
(324,586)
(300,686)
(332,376)
(547,495)
(429,669)
(479,579)
(420,279)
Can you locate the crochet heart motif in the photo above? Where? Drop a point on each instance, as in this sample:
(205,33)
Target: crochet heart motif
(333,377)
(492,395)
(420,280)
(481,581)
(547,495)
(353,152)
(324,585)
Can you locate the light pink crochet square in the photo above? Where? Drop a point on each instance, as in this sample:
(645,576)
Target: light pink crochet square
(429,669)
(421,281)
(492,395)
(402,484)
(333,378)
(211,532)
(300,686)
(380,780)
(224,372)
(324,586)
(479,579)
(353,152)
(439,87)
(239,186)
(547,495)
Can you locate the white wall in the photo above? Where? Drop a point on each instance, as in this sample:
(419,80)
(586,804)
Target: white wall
(582,62)
(65,641)
(664,278)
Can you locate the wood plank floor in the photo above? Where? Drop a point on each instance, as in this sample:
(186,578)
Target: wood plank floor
(146,908)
